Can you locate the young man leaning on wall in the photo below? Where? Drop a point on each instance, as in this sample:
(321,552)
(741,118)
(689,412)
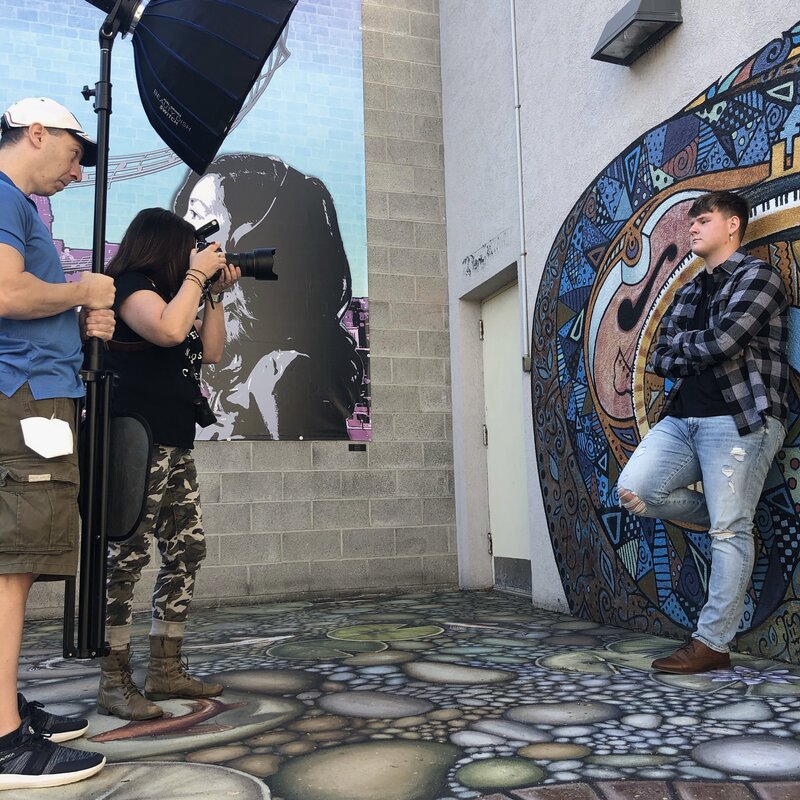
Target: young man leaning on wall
(725,341)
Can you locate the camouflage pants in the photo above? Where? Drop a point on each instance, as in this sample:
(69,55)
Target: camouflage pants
(172,513)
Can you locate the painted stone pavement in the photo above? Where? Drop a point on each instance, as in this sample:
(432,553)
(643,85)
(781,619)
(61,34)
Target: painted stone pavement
(442,696)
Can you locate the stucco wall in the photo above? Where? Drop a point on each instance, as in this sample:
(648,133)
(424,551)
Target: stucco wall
(576,115)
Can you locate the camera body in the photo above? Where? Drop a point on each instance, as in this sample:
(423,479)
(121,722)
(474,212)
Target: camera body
(253,264)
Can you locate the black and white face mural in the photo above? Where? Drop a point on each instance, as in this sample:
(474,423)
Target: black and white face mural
(291,369)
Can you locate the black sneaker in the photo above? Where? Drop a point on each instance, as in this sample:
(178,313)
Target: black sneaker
(34,762)
(54,726)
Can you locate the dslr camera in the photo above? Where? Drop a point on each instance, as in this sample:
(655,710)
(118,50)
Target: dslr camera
(253,264)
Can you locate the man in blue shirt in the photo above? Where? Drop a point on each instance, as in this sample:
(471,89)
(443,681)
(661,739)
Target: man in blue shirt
(42,148)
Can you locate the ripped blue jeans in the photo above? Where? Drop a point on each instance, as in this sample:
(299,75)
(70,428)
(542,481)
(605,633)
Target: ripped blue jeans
(679,452)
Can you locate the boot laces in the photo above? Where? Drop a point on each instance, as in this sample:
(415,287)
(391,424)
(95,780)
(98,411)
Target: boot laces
(128,686)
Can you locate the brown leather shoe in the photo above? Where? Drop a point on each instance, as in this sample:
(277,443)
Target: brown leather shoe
(692,657)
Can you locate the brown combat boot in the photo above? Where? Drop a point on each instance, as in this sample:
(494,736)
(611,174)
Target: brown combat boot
(167,676)
(692,657)
(117,694)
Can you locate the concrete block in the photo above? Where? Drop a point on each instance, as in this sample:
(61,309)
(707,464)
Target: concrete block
(339,576)
(375,148)
(428,129)
(277,456)
(282,516)
(382,427)
(423,483)
(380,315)
(418,207)
(226,517)
(311,485)
(250,548)
(368,543)
(389,232)
(437,454)
(385,455)
(431,290)
(290,577)
(380,369)
(417,154)
(251,486)
(311,545)
(378,259)
(418,316)
(434,398)
(388,398)
(213,549)
(393,573)
(432,539)
(392,343)
(227,581)
(413,5)
(225,456)
(410,48)
(385,18)
(377,206)
(419,371)
(424,76)
(413,100)
(426,25)
(338,456)
(440,570)
(411,261)
(209,481)
(438,511)
(369,483)
(391,512)
(389,178)
(391,288)
(375,96)
(392,73)
(431,235)
(434,343)
(429,181)
(340,514)
(372,43)
(378,122)
(419,427)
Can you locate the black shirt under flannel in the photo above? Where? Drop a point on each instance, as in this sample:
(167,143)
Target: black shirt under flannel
(745,342)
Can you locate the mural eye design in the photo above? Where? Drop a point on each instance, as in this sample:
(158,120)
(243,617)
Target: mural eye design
(611,275)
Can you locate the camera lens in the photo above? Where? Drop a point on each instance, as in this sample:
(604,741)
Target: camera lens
(255,263)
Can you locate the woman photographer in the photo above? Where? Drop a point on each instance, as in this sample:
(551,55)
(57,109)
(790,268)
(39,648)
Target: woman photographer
(159,346)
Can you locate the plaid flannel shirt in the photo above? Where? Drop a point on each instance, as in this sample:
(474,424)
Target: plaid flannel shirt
(745,343)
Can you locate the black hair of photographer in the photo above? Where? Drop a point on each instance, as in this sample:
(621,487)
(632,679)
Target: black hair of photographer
(291,370)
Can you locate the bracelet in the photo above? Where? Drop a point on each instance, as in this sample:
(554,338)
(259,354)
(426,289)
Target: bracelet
(198,271)
(195,280)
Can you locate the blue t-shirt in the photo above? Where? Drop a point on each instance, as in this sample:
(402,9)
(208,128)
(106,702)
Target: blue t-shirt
(44,352)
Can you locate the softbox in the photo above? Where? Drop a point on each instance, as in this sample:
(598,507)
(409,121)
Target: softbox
(195,63)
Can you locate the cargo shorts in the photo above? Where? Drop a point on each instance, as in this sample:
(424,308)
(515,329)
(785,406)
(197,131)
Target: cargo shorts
(39,522)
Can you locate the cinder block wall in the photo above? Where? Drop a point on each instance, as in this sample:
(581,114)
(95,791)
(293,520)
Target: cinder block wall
(285,519)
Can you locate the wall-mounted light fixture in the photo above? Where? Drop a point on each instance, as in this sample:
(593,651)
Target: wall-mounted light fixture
(635,29)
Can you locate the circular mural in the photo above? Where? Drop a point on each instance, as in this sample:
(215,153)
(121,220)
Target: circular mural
(610,277)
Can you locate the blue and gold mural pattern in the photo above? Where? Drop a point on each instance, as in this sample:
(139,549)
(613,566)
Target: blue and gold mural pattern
(609,278)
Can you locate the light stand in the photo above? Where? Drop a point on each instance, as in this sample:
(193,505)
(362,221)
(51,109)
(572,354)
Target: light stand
(183,38)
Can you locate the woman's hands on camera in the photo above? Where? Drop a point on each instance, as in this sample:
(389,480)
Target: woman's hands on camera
(209,260)
(226,278)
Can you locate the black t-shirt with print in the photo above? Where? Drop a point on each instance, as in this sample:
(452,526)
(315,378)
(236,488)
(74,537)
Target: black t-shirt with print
(158,383)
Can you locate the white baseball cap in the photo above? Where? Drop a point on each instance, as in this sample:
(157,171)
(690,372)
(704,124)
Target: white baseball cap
(52,115)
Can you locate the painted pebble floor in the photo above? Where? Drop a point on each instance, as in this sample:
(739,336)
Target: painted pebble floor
(435,696)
